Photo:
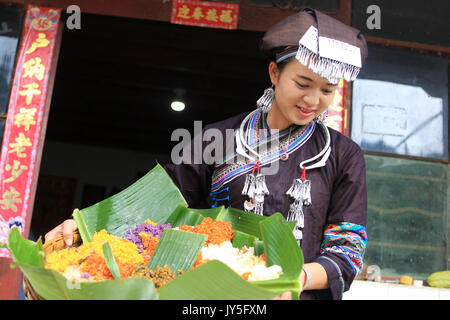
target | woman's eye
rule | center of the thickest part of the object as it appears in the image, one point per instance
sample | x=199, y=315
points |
x=301, y=85
x=327, y=91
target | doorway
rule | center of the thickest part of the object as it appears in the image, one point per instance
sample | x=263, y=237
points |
x=110, y=119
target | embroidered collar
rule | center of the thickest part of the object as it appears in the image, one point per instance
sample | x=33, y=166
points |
x=258, y=136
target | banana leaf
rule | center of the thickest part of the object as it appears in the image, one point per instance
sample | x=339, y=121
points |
x=51, y=285
x=241, y=239
x=183, y=215
x=216, y=282
x=154, y=197
x=217, y=213
x=259, y=247
x=177, y=249
x=110, y=261
x=244, y=221
x=280, y=246
x=213, y=281
x=281, y=249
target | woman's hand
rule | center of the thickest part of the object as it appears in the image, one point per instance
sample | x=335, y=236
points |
x=288, y=295
x=285, y=296
x=65, y=229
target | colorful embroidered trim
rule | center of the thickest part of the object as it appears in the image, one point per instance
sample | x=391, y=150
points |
x=348, y=239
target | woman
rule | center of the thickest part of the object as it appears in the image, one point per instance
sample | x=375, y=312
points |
x=313, y=175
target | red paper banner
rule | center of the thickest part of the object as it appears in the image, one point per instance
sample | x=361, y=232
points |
x=336, y=111
x=25, y=113
x=205, y=14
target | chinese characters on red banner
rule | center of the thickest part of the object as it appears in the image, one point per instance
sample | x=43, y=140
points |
x=336, y=111
x=205, y=14
x=25, y=114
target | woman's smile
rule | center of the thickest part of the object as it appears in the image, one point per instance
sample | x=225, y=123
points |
x=305, y=112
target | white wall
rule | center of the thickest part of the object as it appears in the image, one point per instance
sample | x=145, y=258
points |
x=96, y=165
x=368, y=290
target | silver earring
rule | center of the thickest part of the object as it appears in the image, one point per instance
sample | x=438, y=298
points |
x=265, y=102
x=321, y=117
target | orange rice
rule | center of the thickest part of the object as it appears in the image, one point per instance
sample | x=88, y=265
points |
x=150, y=244
x=217, y=231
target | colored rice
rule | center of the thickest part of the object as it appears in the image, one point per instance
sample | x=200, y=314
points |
x=89, y=256
x=244, y=262
x=149, y=245
x=148, y=227
x=133, y=252
x=217, y=231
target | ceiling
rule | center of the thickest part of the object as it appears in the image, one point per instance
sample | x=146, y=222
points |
x=116, y=78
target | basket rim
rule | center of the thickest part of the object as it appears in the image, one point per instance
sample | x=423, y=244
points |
x=56, y=243
x=75, y=235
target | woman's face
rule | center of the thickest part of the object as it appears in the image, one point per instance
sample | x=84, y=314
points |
x=300, y=95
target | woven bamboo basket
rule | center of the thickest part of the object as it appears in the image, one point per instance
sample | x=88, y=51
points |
x=55, y=244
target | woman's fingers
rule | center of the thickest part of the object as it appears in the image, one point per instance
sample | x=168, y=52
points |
x=53, y=233
x=65, y=229
x=68, y=227
x=285, y=296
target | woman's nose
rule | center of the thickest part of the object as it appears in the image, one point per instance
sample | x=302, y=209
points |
x=312, y=98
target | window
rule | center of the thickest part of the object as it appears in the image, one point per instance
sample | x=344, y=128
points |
x=400, y=104
x=400, y=108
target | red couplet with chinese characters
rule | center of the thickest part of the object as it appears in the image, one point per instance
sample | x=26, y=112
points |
x=23, y=126
x=205, y=14
x=336, y=111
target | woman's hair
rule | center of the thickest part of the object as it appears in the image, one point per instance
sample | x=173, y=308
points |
x=282, y=63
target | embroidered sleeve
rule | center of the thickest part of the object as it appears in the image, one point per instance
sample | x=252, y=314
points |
x=348, y=240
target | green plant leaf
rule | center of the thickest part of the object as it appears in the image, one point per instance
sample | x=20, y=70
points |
x=177, y=249
x=51, y=285
x=279, y=285
x=259, y=247
x=81, y=225
x=217, y=214
x=183, y=215
x=241, y=239
x=281, y=247
x=110, y=261
x=243, y=221
x=24, y=250
x=213, y=281
x=291, y=224
x=153, y=197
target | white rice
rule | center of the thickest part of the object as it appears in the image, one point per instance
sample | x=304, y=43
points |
x=242, y=261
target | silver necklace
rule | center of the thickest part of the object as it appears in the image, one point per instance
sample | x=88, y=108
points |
x=284, y=155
